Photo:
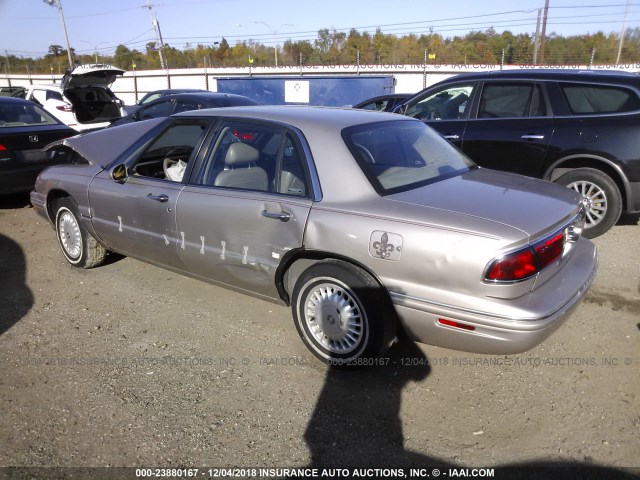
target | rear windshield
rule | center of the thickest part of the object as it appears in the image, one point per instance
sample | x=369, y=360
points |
x=24, y=114
x=401, y=155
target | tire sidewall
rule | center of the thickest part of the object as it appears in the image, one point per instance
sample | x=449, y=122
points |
x=365, y=292
x=66, y=206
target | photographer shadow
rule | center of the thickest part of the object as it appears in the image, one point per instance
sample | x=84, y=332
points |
x=16, y=299
x=356, y=424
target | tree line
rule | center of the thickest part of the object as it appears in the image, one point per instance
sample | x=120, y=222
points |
x=333, y=47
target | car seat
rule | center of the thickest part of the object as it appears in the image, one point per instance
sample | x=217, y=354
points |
x=240, y=170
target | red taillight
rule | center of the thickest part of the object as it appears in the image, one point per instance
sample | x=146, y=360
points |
x=527, y=262
x=549, y=250
x=515, y=266
x=65, y=108
x=2, y=147
x=451, y=323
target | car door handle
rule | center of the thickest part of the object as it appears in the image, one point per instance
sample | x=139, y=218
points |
x=283, y=216
x=451, y=137
x=532, y=137
x=158, y=198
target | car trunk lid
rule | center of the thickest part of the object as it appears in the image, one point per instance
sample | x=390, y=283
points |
x=87, y=88
x=534, y=207
x=24, y=145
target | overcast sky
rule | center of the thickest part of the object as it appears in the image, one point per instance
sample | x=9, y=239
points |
x=28, y=27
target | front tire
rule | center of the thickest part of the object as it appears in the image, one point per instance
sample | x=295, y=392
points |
x=78, y=246
x=342, y=314
x=600, y=196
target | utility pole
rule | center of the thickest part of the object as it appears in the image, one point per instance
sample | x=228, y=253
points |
x=536, y=41
x=544, y=30
x=156, y=29
x=624, y=28
x=57, y=3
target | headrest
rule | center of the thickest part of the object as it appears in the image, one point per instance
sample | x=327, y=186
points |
x=240, y=153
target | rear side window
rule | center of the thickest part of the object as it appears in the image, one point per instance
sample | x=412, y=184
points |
x=511, y=100
x=55, y=95
x=589, y=99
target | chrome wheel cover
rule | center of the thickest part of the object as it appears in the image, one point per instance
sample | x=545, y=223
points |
x=334, y=317
x=594, y=200
x=69, y=235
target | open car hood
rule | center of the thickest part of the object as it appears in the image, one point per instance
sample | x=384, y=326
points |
x=102, y=147
x=96, y=75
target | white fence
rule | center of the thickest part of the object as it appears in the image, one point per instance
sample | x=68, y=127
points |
x=408, y=78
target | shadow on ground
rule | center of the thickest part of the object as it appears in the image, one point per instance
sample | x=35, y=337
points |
x=356, y=424
x=16, y=298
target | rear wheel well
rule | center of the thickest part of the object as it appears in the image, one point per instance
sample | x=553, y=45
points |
x=297, y=261
x=585, y=162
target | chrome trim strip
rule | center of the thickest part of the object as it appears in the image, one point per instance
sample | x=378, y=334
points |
x=401, y=297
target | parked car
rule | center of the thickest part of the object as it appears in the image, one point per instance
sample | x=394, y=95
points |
x=580, y=129
x=24, y=129
x=83, y=100
x=12, y=92
x=182, y=102
x=384, y=103
x=157, y=94
x=353, y=218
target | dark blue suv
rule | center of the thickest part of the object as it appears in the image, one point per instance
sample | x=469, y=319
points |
x=577, y=128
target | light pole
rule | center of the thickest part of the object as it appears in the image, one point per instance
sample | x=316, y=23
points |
x=275, y=32
x=56, y=3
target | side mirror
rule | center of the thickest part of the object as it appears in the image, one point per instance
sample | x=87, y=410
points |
x=403, y=109
x=119, y=173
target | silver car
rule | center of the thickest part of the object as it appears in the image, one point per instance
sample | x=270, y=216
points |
x=360, y=221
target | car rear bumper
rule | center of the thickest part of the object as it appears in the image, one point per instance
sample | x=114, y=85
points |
x=492, y=332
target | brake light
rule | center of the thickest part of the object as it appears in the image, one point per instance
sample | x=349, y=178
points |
x=243, y=136
x=2, y=147
x=65, y=108
x=528, y=261
x=549, y=250
x=515, y=266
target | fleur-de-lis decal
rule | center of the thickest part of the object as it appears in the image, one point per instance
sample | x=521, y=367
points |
x=383, y=247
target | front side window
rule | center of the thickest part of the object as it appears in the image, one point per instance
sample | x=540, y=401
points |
x=401, y=155
x=511, y=100
x=450, y=103
x=168, y=155
x=588, y=99
x=256, y=157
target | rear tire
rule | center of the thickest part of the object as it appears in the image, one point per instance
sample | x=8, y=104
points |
x=600, y=196
x=78, y=246
x=342, y=314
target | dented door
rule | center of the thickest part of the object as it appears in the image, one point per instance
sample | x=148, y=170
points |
x=237, y=238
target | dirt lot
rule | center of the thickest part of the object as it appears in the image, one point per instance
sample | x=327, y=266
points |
x=131, y=365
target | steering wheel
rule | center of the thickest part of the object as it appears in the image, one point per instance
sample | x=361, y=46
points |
x=366, y=154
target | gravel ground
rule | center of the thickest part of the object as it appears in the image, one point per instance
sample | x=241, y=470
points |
x=128, y=365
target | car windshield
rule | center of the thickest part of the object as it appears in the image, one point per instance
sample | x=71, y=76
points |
x=401, y=155
x=24, y=114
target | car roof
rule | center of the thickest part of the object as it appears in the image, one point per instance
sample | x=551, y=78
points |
x=14, y=100
x=302, y=117
x=204, y=95
x=607, y=76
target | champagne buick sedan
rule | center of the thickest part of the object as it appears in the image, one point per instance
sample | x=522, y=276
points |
x=362, y=222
